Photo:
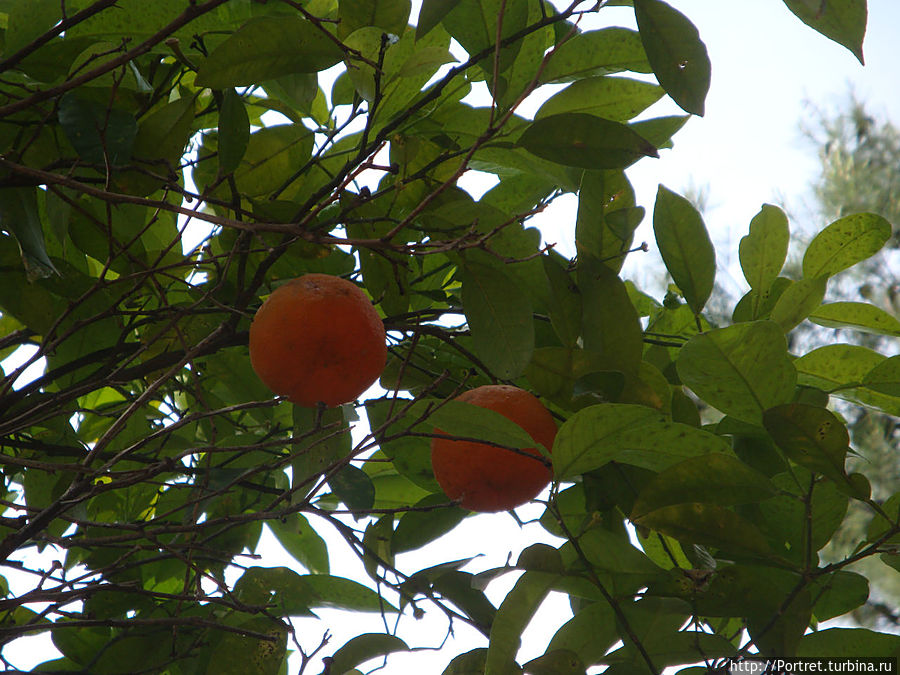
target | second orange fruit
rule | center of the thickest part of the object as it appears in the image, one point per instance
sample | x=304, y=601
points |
x=487, y=478
x=316, y=339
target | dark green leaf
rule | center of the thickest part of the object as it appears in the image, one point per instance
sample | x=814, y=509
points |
x=267, y=47
x=391, y=16
x=556, y=662
x=843, y=642
x=585, y=141
x=837, y=593
x=27, y=21
x=353, y=487
x=234, y=131
x=363, y=648
x=430, y=518
x=610, y=324
x=589, y=633
x=844, y=243
x=714, y=478
x=811, y=436
x=706, y=524
x=500, y=318
x=457, y=418
x=675, y=51
x=97, y=132
x=597, y=233
x=742, y=370
x=843, y=21
x=19, y=215
x=563, y=301
x=248, y=654
x=685, y=246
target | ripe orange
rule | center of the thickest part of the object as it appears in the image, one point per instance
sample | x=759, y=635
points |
x=316, y=339
x=487, y=478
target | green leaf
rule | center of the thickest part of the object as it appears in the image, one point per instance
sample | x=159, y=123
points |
x=299, y=539
x=96, y=131
x=597, y=52
x=764, y=249
x=885, y=377
x=843, y=21
x=513, y=616
x=353, y=487
x=859, y=316
x=425, y=523
x=685, y=246
x=267, y=47
x=675, y=51
x=585, y=141
x=28, y=21
x=563, y=301
x=459, y=588
x=602, y=194
x=431, y=14
x=500, y=319
x=557, y=662
x=844, y=243
x=589, y=633
x=364, y=647
x=742, y=370
x=797, y=301
x=474, y=25
x=609, y=552
x=317, y=449
x=458, y=418
x=837, y=593
x=296, y=594
x=848, y=642
x=612, y=98
x=19, y=215
x=234, y=131
x=714, y=478
x=390, y=16
x=610, y=324
x=811, y=436
x=708, y=525
x=248, y=654
x=627, y=433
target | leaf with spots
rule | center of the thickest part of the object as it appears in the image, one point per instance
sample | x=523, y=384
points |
x=812, y=437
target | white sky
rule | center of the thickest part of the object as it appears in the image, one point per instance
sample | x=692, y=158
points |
x=748, y=150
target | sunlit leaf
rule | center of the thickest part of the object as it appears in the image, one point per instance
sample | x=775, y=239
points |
x=742, y=370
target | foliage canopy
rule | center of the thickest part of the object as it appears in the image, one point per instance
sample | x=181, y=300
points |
x=147, y=458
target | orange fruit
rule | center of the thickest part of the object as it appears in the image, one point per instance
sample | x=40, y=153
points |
x=316, y=339
x=487, y=478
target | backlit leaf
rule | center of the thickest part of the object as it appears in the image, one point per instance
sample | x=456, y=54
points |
x=764, y=249
x=365, y=647
x=706, y=524
x=597, y=52
x=628, y=433
x=742, y=370
x=612, y=98
x=811, y=436
x=844, y=243
x=859, y=316
x=797, y=301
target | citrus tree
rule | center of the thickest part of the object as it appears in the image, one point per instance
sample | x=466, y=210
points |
x=169, y=165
